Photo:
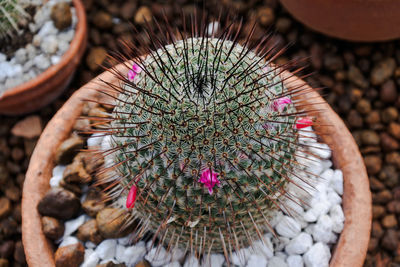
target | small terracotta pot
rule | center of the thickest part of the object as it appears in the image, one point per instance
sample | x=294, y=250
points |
x=355, y=20
x=47, y=86
x=353, y=243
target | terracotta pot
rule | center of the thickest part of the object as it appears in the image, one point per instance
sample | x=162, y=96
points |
x=47, y=86
x=355, y=20
x=352, y=245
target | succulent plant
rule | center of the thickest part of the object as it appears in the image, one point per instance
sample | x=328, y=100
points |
x=11, y=13
x=203, y=139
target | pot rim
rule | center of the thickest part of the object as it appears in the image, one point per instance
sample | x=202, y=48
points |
x=80, y=34
x=351, y=247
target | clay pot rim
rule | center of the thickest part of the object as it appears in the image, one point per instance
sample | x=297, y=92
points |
x=353, y=242
x=80, y=32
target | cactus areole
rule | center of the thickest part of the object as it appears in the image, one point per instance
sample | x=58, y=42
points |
x=205, y=132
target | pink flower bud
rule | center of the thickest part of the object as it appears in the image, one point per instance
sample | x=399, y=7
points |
x=209, y=179
x=303, y=123
x=280, y=103
x=131, y=199
x=132, y=73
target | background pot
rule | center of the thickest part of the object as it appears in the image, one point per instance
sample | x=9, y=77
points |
x=356, y=20
x=47, y=86
x=353, y=243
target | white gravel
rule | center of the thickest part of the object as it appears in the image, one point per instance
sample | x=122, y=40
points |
x=303, y=240
x=47, y=47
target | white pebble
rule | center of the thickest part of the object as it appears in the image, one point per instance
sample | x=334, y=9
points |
x=318, y=256
x=321, y=150
x=125, y=240
x=55, y=60
x=72, y=225
x=212, y=28
x=276, y=262
x=214, y=260
x=323, y=229
x=106, y=249
x=20, y=55
x=95, y=140
x=49, y=44
x=295, y=261
x=68, y=240
x=337, y=217
x=240, y=257
x=91, y=258
x=3, y=57
x=191, y=261
x=158, y=256
x=130, y=255
x=337, y=182
x=300, y=244
x=280, y=243
x=173, y=264
x=89, y=244
x=288, y=227
x=177, y=254
x=257, y=261
x=334, y=198
x=264, y=247
x=48, y=29
x=41, y=61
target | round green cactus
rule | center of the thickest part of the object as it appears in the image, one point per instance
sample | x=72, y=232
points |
x=203, y=142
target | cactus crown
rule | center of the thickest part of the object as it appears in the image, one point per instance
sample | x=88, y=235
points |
x=11, y=14
x=203, y=136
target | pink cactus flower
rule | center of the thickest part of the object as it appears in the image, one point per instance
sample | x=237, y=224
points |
x=132, y=73
x=303, y=123
x=130, y=201
x=280, y=103
x=209, y=179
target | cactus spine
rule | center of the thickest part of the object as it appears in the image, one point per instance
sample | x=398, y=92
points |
x=11, y=13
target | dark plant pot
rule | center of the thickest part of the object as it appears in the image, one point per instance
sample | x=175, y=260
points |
x=47, y=86
x=351, y=248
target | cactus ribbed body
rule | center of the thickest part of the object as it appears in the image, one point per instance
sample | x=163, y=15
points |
x=204, y=104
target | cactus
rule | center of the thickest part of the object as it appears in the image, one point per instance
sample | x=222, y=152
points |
x=203, y=140
x=11, y=13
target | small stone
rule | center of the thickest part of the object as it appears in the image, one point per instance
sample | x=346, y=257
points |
x=216, y=260
x=76, y=172
x=68, y=240
x=7, y=249
x=388, y=92
x=393, y=158
x=128, y=10
x=111, y=264
x=5, y=207
x=143, y=263
x=318, y=256
x=276, y=262
x=256, y=261
x=30, y=127
x=102, y=20
x=110, y=222
x=390, y=114
x=382, y=197
x=91, y=258
x=377, y=211
x=354, y=119
x=373, y=118
x=93, y=206
x=363, y=106
x=373, y=164
x=390, y=240
x=61, y=15
x=389, y=221
x=295, y=261
x=52, y=228
x=49, y=44
x=42, y=62
x=19, y=253
x=96, y=57
x=130, y=254
x=159, y=257
x=388, y=142
x=4, y=262
x=394, y=130
x=288, y=227
x=377, y=230
x=355, y=75
x=323, y=229
x=72, y=225
x=69, y=256
x=266, y=16
x=191, y=261
x=383, y=71
x=89, y=232
x=300, y=244
x=143, y=14
x=369, y=137
x=68, y=149
x=106, y=249
x=59, y=203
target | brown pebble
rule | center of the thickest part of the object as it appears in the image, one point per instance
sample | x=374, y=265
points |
x=377, y=230
x=102, y=20
x=389, y=221
x=393, y=158
x=143, y=263
x=96, y=57
x=30, y=127
x=265, y=16
x=52, y=228
x=383, y=71
x=142, y=15
x=89, y=232
x=59, y=203
x=377, y=211
x=363, y=106
x=4, y=262
x=111, y=264
x=389, y=114
x=373, y=164
x=7, y=249
x=68, y=149
x=5, y=207
x=390, y=240
x=388, y=93
x=388, y=143
x=70, y=256
x=382, y=197
x=394, y=130
x=19, y=253
x=61, y=15
x=110, y=222
x=369, y=137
